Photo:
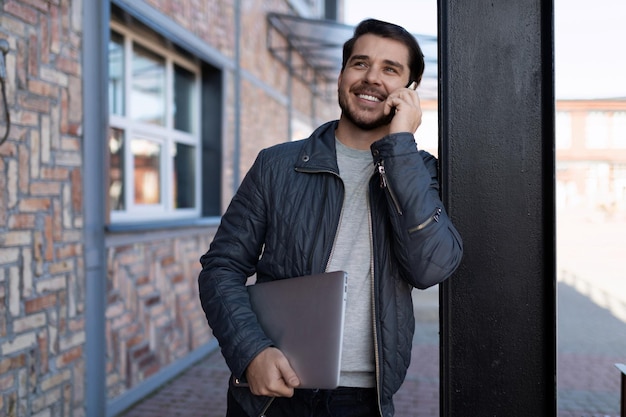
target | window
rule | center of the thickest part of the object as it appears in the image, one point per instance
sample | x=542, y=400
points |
x=597, y=130
x=155, y=136
x=311, y=8
x=619, y=130
x=563, y=130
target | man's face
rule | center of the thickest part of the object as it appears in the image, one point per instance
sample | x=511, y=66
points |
x=376, y=67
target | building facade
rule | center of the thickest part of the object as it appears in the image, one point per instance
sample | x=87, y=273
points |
x=131, y=125
x=591, y=156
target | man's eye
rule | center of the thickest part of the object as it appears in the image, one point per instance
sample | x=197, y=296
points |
x=390, y=69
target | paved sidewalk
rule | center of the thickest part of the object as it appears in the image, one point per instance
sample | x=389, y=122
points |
x=591, y=341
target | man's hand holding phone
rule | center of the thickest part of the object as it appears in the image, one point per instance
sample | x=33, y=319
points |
x=408, y=112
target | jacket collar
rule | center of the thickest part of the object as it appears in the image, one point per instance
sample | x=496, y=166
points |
x=318, y=153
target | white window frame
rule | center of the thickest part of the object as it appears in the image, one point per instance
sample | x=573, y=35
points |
x=166, y=136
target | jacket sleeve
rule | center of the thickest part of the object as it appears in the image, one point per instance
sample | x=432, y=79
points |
x=425, y=242
x=230, y=260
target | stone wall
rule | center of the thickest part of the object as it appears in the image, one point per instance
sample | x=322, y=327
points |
x=42, y=331
x=153, y=315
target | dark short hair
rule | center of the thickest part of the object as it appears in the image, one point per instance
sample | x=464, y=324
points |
x=391, y=31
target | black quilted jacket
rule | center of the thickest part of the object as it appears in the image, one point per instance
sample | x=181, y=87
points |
x=282, y=223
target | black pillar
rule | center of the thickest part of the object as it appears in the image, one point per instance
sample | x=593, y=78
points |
x=498, y=312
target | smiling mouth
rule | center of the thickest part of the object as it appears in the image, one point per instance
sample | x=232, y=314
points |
x=368, y=97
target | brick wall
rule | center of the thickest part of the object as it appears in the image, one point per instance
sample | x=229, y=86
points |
x=42, y=330
x=153, y=314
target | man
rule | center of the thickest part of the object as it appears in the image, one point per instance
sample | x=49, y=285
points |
x=357, y=196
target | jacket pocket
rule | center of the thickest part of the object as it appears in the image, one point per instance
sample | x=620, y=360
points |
x=433, y=218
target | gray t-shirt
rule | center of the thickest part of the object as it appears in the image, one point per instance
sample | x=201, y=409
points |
x=353, y=253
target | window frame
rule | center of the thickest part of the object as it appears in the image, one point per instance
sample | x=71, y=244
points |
x=166, y=135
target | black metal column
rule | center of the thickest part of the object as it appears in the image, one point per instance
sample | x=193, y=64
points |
x=498, y=312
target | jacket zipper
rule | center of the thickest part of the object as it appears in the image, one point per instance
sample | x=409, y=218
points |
x=380, y=166
x=375, y=332
x=271, y=400
x=434, y=217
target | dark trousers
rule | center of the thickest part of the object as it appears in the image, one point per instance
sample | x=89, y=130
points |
x=341, y=402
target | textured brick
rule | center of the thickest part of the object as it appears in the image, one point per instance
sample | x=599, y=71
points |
x=21, y=221
x=25, y=13
x=26, y=118
x=9, y=256
x=44, y=351
x=67, y=66
x=19, y=343
x=46, y=139
x=69, y=251
x=77, y=190
x=24, y=156
x=54, y=284
x=55, y=173
x=33, y=54
x=61, y=267
x=16, y=238
x=27, y=273
x=69, y=159
x=12, y=363
x=55, y=380
x=48, y=239
x=42, y=88
x=40, y=303
x=53, y=76
x=35, y=156
x=12, y=183
x=34, y=103
x=47, y=188
x=15, y=296
x=70, y=356
x=29, y=322
x=31, y=205
x=74, y=340
x=7, y=381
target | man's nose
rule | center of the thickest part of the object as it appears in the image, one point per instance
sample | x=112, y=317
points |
x=372, y=75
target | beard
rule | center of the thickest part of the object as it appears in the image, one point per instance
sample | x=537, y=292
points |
x=362, y=121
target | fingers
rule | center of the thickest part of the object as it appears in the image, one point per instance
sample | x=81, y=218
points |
x=270, y=374
x=408, y=112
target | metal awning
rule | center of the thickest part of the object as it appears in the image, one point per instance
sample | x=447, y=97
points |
x=319, y=44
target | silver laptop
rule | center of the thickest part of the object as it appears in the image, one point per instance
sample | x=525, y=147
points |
x=304, y=317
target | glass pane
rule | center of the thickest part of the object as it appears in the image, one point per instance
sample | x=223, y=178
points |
x=116, y=169
x=597, y=130
x=147, y=167
x=116, y=74
x=184, y=176
x=619, y=130
x=183, y=96
x=563, y=130
x=148, y=87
